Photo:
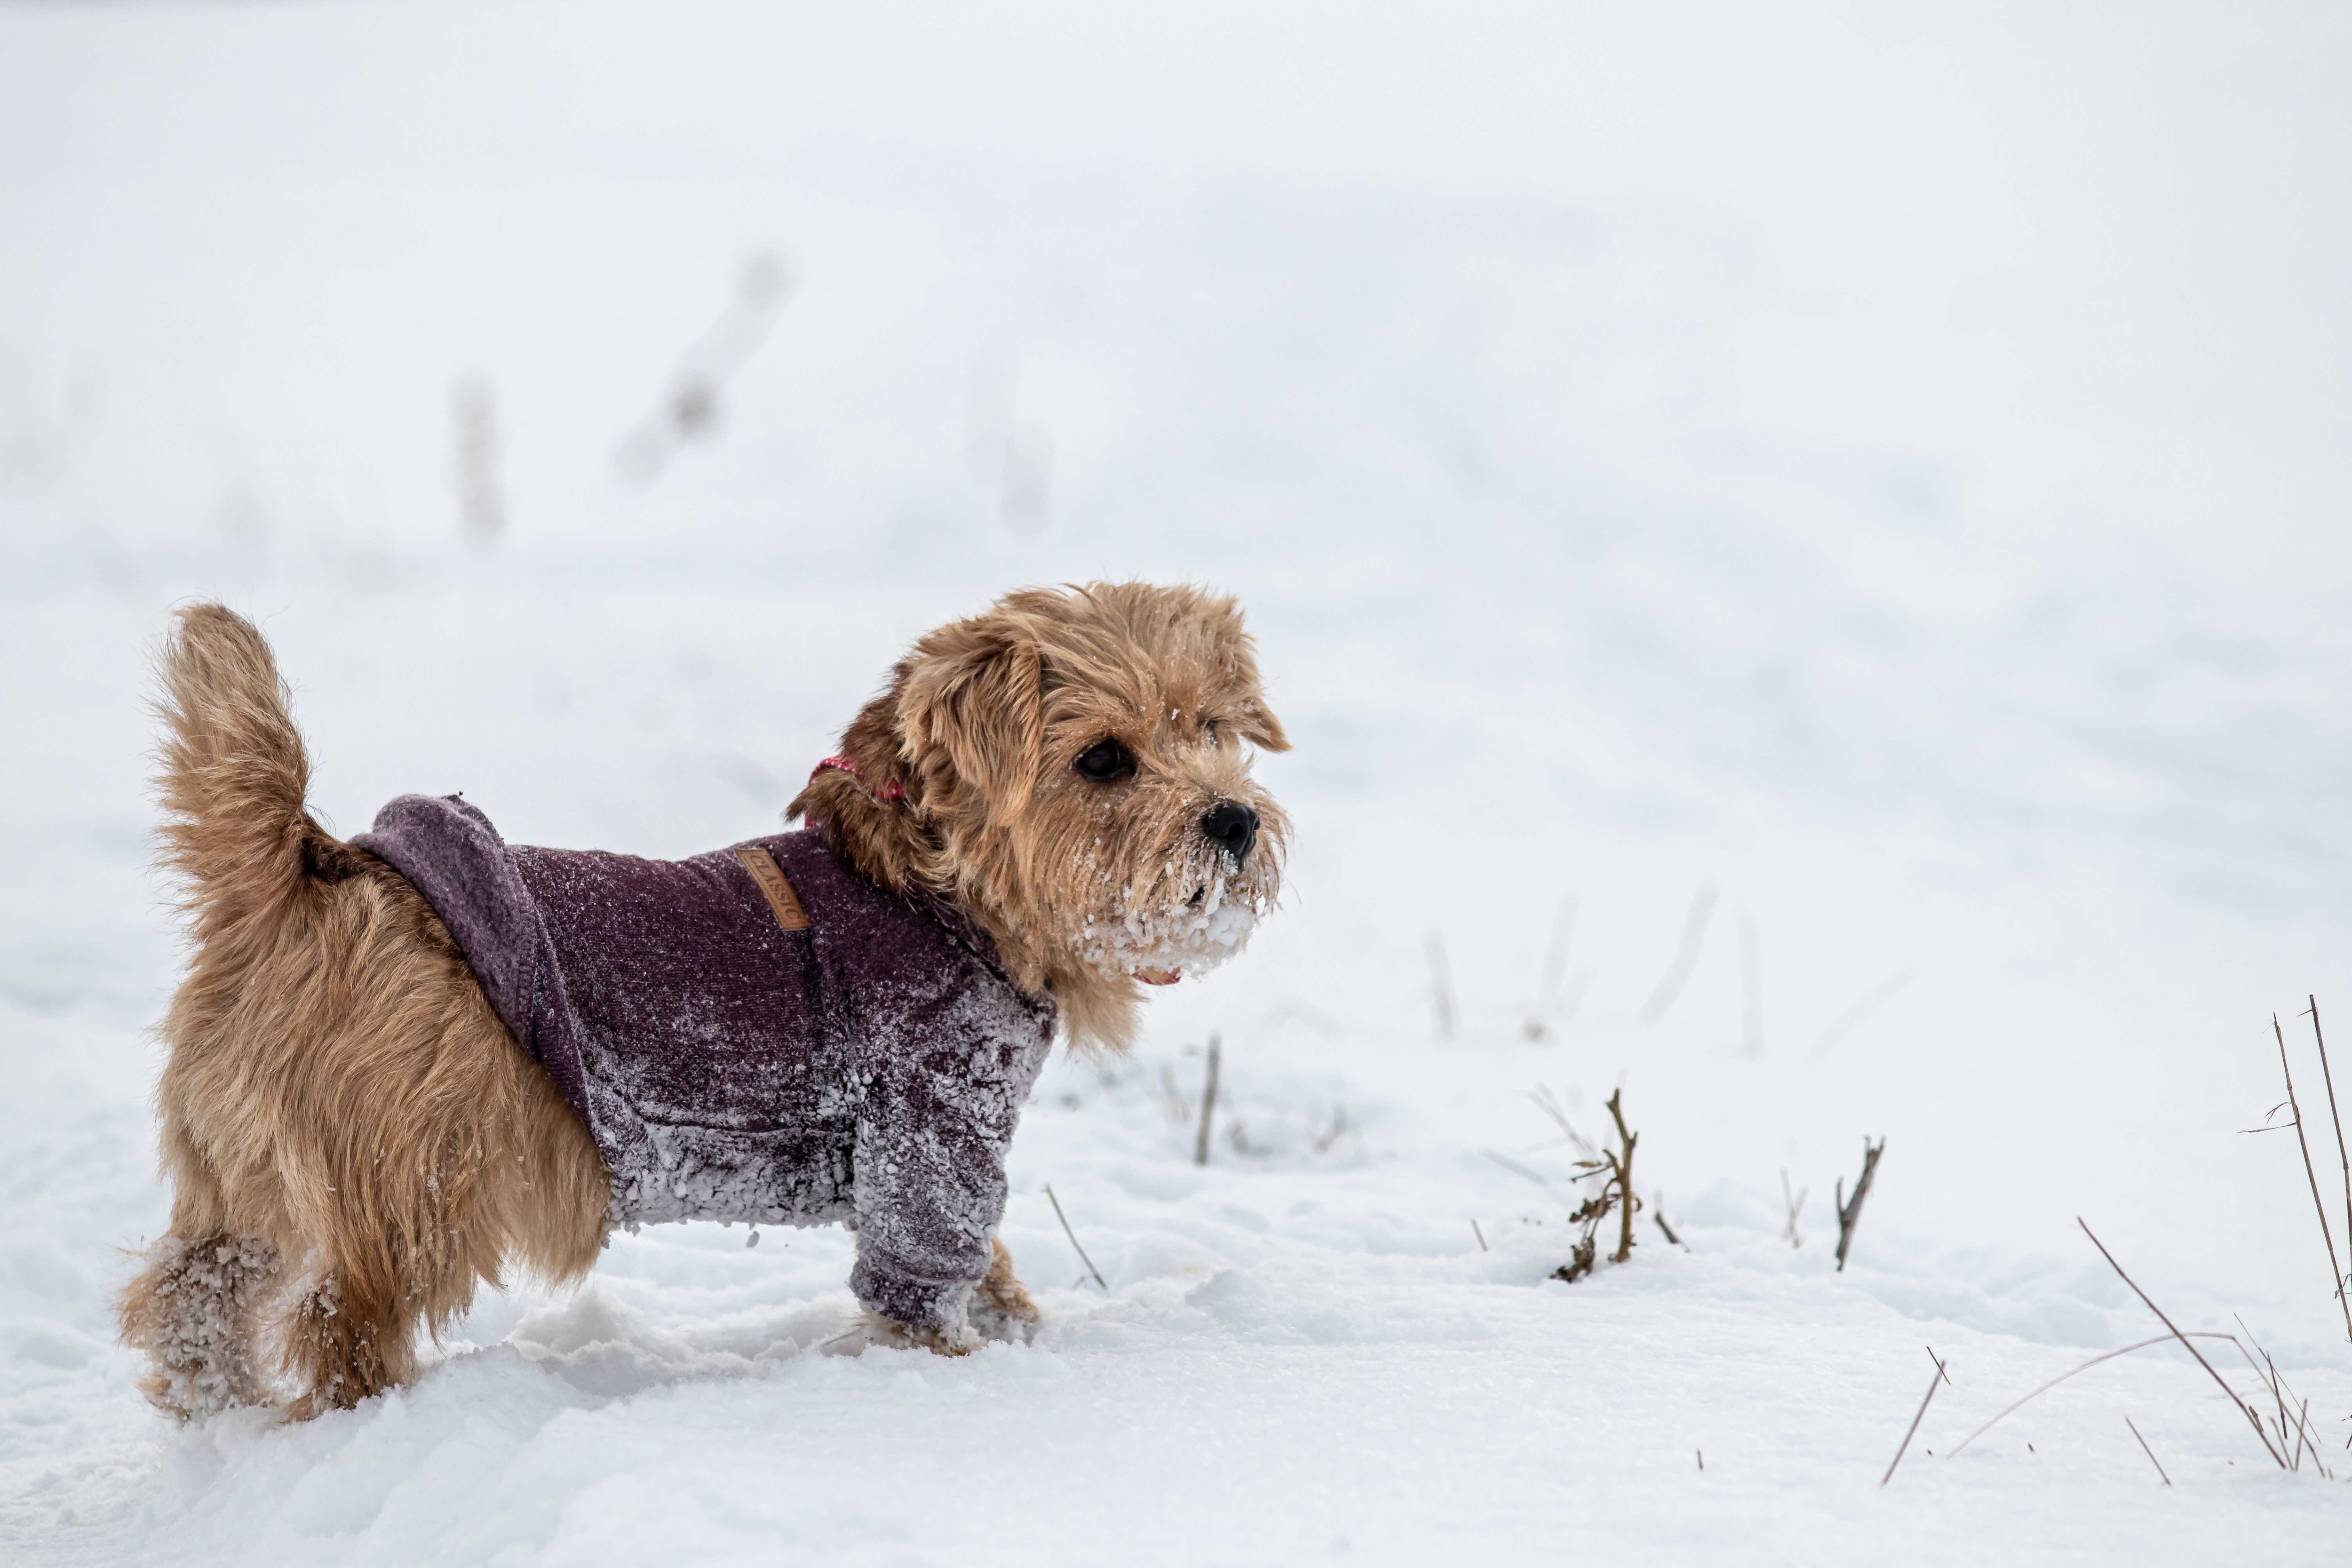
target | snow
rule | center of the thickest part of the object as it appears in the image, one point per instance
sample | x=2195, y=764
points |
x=1884, y=467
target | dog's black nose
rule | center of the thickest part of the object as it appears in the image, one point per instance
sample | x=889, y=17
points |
x=1232, y=828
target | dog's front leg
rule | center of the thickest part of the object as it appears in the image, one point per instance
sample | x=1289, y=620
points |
x=931, y=1191
x=1001, y=1313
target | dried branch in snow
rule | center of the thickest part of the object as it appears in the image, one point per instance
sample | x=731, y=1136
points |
x=2244, y=1409
x=1795, y=1203
x=2342, y=1155
x=1941, y=1377
x=1615, y=1169
x=1849, y=1214
x=1441, y=989
x=1686, y=959
x=1074, y=1239
x=2148, y=1451
x=2016, y=1404
x=2318, y=1205
x=1208, y=1106
x=1554, y=971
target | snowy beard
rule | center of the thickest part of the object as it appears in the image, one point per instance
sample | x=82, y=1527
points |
x=1159, y=941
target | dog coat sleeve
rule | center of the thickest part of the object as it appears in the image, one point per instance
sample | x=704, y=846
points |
x=938, y=1116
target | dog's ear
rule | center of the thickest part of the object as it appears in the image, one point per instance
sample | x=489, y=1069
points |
x=1233, y=652
x=1256, y=724
x=975, y=692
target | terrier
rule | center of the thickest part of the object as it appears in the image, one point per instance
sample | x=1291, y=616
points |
x=406, y=1064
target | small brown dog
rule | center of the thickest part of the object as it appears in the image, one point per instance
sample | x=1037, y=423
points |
x=404, y=1064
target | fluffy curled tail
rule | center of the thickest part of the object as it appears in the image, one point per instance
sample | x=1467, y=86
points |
x=234, y=775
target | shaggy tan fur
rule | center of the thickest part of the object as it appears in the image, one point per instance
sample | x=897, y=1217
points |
x=354, y=1140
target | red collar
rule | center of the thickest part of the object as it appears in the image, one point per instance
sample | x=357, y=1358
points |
x=890, y=792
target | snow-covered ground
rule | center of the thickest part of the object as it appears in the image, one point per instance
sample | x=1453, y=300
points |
x=1886, y=467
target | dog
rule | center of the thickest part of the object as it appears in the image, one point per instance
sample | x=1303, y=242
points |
x=426, y=1059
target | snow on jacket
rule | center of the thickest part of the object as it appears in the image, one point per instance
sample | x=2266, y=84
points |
x=757, y=1034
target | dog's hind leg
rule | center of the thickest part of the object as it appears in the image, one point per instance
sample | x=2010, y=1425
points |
x=197, y=1305
x=347, y=1340
x=193, y=1309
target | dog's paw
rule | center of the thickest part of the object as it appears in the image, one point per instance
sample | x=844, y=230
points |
x=874, y=1328
x=1005, y=1328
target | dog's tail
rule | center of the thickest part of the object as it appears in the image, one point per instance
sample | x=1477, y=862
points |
x=234, y=775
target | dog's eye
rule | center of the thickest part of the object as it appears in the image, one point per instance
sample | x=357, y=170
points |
x=1209, y=727
x=1106, y=762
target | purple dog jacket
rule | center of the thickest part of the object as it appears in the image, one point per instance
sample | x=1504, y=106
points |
x=802, y=1050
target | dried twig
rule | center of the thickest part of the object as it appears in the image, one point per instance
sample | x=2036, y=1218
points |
x=1172, y=1099
x=2016, y=1404
x=1849, y=1214
x=474, y=413
x=2148, y=1451
x=1554, y=971
x=1941, y=1377
x=2343, y=1157
x=1614, y=1168
x=2244, y=1408
x=1686, y=959
x=1480, y=1235
x=1658, y=1213
x=689, y=405
x=2283, y=1401
x=1208, y=1106
x=1622, y=1173
x=1548, y=1103
x=1751, y=985
x=2318, y=1207
x=1441, y=988
x=1795, y=1203
x=1854, y=1017
x=1537, y=1177
x=1074, y=1239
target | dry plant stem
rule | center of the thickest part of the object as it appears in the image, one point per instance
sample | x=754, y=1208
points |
x=2016, y=1404
x=1537, y=1177
x=2244, y=1408
x=1912, y=1429
x=1480, y=1235
x=1686, y=959
x=1623, y=1164
x=1658, y=1213
x=1074, y=1240
x=1795, y=1203
x=2284, y=1399
x=1555, y=961
x=2318, y=1206
x=1441, y=988
x=2343, y=1157
x=2149, y=1452
x=1849, y=1214
x=1208, y=1106
x=1548, y=1103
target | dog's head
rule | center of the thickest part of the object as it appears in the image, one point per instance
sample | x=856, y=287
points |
x=1072, y=769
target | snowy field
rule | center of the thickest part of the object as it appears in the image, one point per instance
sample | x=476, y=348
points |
x=1857, y=498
